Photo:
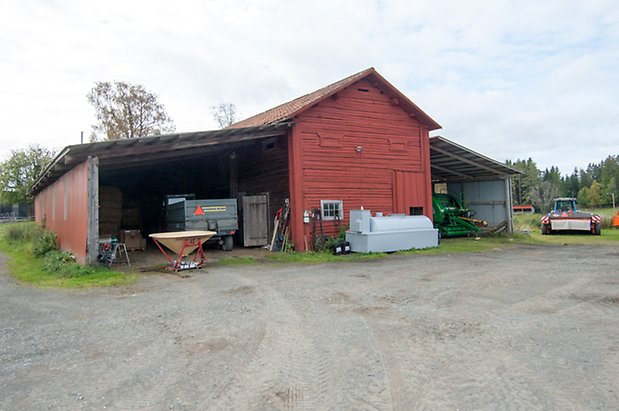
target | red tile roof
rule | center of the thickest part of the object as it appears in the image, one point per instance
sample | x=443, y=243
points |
x=289, y=110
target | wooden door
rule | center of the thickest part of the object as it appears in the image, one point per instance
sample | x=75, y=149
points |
x=255, y=222
x=410, y=193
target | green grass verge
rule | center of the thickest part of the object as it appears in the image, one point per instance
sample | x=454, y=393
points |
x=25, y=268
x=321, y=258
x=471, y=245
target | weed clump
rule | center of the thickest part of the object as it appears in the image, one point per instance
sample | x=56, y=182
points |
x=63, y=263
x=45, y=243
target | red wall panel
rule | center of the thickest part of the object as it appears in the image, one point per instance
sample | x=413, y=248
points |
x=361, y=148
x=63, y=208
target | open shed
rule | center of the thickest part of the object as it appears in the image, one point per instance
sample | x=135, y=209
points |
x=482, y=183
x=95, y=190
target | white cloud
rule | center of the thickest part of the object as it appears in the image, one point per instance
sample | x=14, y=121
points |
x=509, y=79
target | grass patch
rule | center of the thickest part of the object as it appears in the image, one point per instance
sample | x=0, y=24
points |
x=609, y=236
x=471, y=245
x=321, y=257
x=55, y=268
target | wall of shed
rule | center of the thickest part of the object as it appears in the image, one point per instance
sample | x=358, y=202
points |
x=363, y=149
x=486, y=198
x=263, y=168
x=63, y=208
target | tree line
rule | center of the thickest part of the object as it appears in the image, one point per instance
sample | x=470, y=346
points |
x=594, y=186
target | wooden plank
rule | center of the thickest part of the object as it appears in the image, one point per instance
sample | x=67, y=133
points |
x=93, y=211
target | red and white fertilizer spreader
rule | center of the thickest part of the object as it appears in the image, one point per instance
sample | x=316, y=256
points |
x=183, y=243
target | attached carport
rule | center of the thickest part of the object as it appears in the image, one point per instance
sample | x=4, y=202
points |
x=483, y=184
x=95, y=190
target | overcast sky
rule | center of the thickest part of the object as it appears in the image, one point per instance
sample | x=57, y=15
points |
x=509, y=79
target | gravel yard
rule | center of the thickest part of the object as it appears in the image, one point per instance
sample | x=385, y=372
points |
x=528, y=327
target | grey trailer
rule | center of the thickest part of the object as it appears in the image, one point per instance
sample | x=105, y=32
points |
x=219, y=215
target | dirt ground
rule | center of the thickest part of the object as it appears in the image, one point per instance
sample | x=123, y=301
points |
x=531, y=327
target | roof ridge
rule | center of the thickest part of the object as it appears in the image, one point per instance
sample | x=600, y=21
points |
x=292, y=107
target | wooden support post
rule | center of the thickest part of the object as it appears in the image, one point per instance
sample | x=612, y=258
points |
x=92, y=239
x=508, y=204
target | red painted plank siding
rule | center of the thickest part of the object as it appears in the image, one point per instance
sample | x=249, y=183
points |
x=362, y=149
x=63, y=208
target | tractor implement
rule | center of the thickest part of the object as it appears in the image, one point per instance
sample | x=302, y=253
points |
x=566, y=218
x=452, y=219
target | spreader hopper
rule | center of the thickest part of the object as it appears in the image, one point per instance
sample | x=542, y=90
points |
x=183, y=243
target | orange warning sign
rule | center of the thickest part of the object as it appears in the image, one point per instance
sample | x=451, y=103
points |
x=198, y=211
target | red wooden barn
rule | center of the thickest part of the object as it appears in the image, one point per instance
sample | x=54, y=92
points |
x=356, y=143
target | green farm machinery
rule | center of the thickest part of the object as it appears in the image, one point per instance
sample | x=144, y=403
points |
x=452, y=219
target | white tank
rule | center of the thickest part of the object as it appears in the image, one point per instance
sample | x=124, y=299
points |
x=400, y=222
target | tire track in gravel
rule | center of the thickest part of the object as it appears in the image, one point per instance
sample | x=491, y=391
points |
x=379, y=383
x=283, y=370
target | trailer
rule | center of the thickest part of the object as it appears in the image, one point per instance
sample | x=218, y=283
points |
x=218, y=215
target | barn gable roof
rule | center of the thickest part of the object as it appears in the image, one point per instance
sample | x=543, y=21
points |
x=291, y=109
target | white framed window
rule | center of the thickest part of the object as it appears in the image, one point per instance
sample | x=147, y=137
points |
x=332, y=209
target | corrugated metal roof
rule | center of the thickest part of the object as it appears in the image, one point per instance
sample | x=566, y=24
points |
x=450, y=161
x=290, y=109
x=151, y=149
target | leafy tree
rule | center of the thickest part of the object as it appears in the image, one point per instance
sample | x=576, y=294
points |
x=127, y=111
x=225, y=114
x=609, y=168
x=570, y=186
x=553, y=175
x=523, y=185
x=20, y=171
x=543, y=194
x=609, y=189
x=596, y=198
x=583, y=197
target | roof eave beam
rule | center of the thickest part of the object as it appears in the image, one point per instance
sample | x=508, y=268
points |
x=466, y=160
x=450, y=171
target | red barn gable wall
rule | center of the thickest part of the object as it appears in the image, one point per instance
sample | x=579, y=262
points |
x=362, y=148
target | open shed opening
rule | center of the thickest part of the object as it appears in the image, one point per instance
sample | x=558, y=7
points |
x=481, y=183
x=133, y=193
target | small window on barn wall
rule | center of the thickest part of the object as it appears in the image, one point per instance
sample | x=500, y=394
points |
x=440, y=188
x=415, y=211
x=332, y=209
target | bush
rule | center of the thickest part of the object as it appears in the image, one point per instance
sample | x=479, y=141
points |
x=44, y=243
x=63, y=263
x=331, y=242
x=607, y=222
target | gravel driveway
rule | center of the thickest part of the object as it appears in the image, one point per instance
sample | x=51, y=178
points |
x=530, y=327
